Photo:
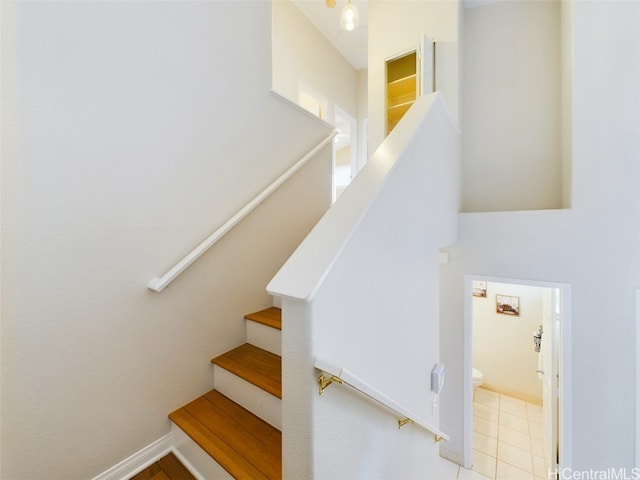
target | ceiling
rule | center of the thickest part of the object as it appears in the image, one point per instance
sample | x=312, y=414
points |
x=352, y=45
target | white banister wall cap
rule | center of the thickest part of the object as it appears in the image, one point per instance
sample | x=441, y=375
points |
x=447, y=111
x=304, y=272
x=328, y=367
x=303, y=110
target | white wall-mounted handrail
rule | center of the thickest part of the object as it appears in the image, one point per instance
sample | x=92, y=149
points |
x=343, y=375
x=159, y=283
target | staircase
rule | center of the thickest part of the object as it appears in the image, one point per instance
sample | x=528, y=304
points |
x=234, y=431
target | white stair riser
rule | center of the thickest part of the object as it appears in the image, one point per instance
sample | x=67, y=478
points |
x=265, y=337
x=197, y=461
x=254, y=399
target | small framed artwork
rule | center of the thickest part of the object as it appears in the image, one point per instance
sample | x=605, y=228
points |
x=508, y=305
x=479, y=288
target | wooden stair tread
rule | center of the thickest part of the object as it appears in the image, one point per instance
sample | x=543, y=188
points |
x=166, y=468
x=271, y=317
x=244, y=445
x=255, y=365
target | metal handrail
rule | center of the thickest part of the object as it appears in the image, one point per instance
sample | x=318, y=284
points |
x=159, y=283
x=344, y=376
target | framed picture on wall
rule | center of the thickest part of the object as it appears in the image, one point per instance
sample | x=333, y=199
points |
x=508, y=305
x=479, y=288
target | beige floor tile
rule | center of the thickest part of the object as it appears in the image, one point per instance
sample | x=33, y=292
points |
x=514, y=438
x=471, y=475
x=506, y=399
x=519, y=410
x=506, y=471
x=483, y=425
x=540, y=469
x=537, y=447
x=514, y=456
x=489, y=413
x=534, y=413
x=447, y=470
x=483, y=398
x=515, y=422
x=536, y=430
x=484, y=464
x=512, y=431
x=485, y=444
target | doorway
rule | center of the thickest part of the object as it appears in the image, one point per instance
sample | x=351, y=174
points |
x=345, y=144
x=345, y=160
x=312, y=101
x=515, y=417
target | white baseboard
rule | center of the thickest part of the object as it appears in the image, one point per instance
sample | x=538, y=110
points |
x=452, y=456
x=139, y=460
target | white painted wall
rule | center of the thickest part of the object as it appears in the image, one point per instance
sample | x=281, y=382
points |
x=363, y=117
x=512, y=107
x=566, y=97
x=302, y=53
x=395, y=27
x=593, y=247
x=503, y=344
x=125, y=143
x=361, y=292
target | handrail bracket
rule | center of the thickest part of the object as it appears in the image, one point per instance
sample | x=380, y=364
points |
x=403, y=421
x=331, y=373
x=324, y=382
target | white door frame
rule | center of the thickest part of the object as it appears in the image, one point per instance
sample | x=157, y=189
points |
x=564, y=367
x=637, y=378
x=353, y=141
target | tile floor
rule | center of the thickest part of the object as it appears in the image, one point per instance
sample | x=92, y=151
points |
x=507, y=441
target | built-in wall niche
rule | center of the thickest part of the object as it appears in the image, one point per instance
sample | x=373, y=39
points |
x=402, y=87
x=408, y=75
x=516, y=115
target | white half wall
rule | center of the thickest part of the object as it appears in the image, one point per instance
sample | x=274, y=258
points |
x=361, y=292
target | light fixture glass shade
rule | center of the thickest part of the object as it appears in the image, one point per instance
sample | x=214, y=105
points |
x=349, y=18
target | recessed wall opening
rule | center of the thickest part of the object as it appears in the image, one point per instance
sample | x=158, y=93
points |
x=516, y=372
x=516, y=119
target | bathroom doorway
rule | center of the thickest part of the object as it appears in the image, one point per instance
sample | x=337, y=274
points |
x=515, y=371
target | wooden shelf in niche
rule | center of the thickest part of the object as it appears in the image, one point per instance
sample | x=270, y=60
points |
x=401, y=87
x=401, y=91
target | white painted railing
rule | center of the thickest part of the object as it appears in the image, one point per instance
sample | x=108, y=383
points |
x=159, y=283
x=342, y=375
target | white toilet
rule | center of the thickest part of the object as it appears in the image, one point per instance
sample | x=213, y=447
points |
x=478, y=378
